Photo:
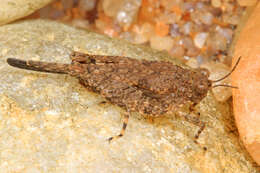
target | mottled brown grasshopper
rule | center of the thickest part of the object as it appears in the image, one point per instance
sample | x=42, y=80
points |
x=150, y=88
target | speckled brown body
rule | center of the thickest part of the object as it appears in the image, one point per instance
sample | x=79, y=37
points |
x=148, y=87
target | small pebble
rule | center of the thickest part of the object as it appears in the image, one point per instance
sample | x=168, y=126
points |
x=217, y=71
x=177, y=51
x=128, y=12
x=147, y=30
x=87, y=5
x=200, y=6
x=161, y=43
x=186, y=42
x=220, y=42
x=188, y=6
x=111, y=7
x=200, y=39
x=207, y=18
x=143, y=33
x=216, y=3
x=192, y=51
x=225, y=32
x=162, y=29
x=187, y=28
x=174, y=30
x=231, y=19
x=169, y=4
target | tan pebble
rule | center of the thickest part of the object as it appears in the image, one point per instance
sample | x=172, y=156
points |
x=161, y=43
x=200, y=39
x=216, y=3
x=217, y=71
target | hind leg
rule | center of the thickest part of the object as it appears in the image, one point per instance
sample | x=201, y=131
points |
x=126, y=117
x=196, y=121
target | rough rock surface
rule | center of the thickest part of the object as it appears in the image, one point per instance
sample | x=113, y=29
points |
x=11, y=10
x=50, y=123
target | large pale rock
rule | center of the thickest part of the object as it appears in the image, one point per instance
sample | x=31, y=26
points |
x=50, y=123
x=11, y=10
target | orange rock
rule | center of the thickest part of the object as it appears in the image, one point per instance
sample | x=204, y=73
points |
x=177, y=10
x=246, y=99
x=162, y=29
x=147, y=11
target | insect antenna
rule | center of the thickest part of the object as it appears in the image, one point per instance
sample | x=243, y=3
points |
x=223, y=85
x=228, y=73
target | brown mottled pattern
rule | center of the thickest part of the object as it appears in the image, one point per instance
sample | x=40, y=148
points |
x=147, y=87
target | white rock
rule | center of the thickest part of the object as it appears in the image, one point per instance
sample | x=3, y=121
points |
x=207, y=18
x=200, y=39
x=124, y=12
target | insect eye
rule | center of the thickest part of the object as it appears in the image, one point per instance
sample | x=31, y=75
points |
x=204, y=72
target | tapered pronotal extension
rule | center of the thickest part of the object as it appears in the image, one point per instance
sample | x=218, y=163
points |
x=39, y=66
